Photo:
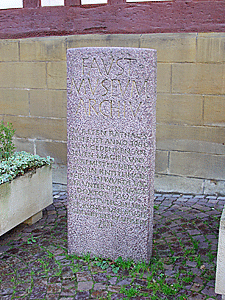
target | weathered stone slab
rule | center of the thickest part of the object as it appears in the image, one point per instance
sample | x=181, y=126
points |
x=111, y=151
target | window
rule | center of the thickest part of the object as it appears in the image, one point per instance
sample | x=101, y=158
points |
x=93, y=2
x=11, y=4
x=145, y=0
x=52, y=2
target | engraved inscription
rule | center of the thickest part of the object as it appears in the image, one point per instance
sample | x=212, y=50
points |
x=100, y=93
x=107, y=162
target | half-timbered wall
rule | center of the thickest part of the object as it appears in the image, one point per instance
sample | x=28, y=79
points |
x=190, y=41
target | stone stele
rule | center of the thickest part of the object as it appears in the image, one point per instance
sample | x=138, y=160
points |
x=111, y=151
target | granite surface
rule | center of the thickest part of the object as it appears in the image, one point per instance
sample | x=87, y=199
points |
x=111, y=151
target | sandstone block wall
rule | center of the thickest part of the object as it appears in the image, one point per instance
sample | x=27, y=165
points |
x=190, y=103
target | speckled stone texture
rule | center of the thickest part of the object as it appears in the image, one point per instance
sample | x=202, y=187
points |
x=111, y=151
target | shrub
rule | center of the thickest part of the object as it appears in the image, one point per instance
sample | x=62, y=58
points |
x=6, y=144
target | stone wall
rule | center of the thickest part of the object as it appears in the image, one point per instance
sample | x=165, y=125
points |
x=190, y=105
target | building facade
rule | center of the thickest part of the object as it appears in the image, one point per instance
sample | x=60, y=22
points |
x=189, y=37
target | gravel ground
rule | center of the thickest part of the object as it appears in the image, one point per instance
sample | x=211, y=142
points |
x=34, y=263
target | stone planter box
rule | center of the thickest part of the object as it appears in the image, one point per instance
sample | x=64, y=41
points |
x=220, y=270
x=23, y=198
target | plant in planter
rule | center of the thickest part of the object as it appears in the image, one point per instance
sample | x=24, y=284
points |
x=25, y=183
x=6, y=143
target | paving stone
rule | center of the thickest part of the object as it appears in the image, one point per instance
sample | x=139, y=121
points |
x=203, y=245
x=54, y=279
x=99, y=286
x=181, y=199
x=85, y=285
x=187, y=286
x=114, y=288
x=168, y=267
x=170, y=280
x=118, y=296
x=191, y=263
x=38, y=293
x=160, y=198
x=54, y=288
x=4, y=249
x=68, y=284
x=52, y=297
x=196, y=296
x=113, y=280
x=196, y=287
x=139, y=298
x=99, y=294
x=196, y=271
x=96, y=269
x=81, y=296
x=194, y=232
x=125, y=281
x=83, y=276
x=7, y=291
x=170, y=272
x=209, y=291
x=141, y=282
x=99, y=277
x=68, y=292
x=198, y=280
x=23, y=286
x=67, y=272
x=213, y=201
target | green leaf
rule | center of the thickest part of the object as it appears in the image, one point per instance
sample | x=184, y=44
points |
x=20, y=163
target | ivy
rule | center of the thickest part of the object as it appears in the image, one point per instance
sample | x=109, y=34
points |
x=19, y=163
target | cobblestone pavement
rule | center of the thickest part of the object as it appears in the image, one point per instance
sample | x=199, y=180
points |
x=34, y=263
